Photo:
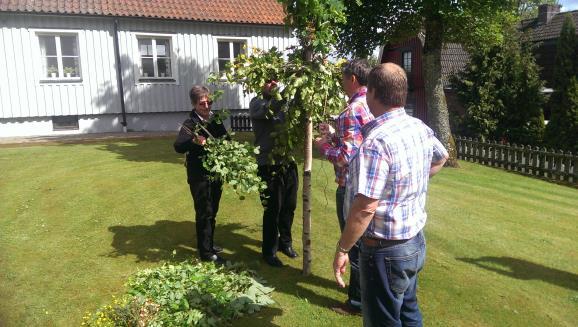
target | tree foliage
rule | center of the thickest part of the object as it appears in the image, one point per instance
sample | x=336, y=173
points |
x=502, y=93
x=379, y=22
x=372, y=23
x=313, y=88
x=562, y=130
x=528, y=9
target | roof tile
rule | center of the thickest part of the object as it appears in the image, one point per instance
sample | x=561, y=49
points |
x=268, y=12
x=542, y=32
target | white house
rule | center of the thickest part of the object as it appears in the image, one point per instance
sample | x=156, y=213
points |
x=86, y=66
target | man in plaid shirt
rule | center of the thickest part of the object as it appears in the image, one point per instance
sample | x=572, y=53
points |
x=338, y=147
x=385, y=202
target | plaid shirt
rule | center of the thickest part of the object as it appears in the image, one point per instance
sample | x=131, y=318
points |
x=392, y=165
x=347, y=137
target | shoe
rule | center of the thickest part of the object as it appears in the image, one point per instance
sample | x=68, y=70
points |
x=217, y=249
x=347, y=309
x=288, y=251
x=273, y=261
x=214, y=258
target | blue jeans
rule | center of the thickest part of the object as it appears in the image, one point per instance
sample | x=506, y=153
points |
x=389, y=281
x=354, y=290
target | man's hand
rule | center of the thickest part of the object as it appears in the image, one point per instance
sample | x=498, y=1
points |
x=319, y=143
x=268, y=87
x=199, y=139
x=339, y=265
x=326, y=129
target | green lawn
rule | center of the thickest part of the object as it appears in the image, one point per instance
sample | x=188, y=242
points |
x=77, y=219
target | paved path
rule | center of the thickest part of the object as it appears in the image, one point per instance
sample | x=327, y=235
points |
x=73, y=138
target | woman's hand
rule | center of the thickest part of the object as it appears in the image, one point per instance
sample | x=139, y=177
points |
x=199, y=139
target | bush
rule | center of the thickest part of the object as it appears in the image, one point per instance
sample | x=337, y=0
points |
x=186, y=294
x=501, y=92
x=562, y=130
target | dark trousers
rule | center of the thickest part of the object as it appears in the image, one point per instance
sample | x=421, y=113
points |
x=389, y=277
x=279, y=201
x=206, y=196
x=354, y=290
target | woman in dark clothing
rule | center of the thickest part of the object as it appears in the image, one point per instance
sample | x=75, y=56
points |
x=206, y=192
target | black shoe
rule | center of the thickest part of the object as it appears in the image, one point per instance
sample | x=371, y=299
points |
x=288, y=251
x=347, y=309
x=217, y=249
x=273, y=261
x=214, y=258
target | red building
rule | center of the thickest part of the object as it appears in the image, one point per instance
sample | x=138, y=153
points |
x=543, y=30
x=408, y=54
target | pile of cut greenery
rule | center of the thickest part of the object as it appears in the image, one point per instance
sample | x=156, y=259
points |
x=186, y=294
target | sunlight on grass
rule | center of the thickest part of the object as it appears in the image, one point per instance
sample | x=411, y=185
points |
x=78, y=219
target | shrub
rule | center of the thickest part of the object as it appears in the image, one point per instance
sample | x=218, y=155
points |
x=501, y=92
x=562, y=130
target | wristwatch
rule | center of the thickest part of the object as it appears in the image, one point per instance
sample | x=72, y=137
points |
x=340, y=249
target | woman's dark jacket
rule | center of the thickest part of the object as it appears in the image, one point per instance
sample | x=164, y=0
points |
x=184, y=143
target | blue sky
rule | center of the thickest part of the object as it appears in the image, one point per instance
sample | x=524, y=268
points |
x=568, y=5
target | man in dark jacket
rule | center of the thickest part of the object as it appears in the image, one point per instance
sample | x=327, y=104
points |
x=206, y=192
x=280, y=174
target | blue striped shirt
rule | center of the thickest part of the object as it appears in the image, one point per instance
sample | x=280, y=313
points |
x=392, y=166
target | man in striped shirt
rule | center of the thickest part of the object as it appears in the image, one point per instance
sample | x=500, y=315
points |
x=385, y=202
x=338, y=147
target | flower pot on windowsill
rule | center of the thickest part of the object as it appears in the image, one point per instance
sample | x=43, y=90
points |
x=68, y=75
x=145, y=74
x=162, y=74
x=53, y=75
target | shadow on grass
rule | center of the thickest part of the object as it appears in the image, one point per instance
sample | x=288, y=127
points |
x=145, y=150
x=156, y=243
x=525, y=270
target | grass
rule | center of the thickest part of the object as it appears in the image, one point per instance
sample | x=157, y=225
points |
x=77, y=219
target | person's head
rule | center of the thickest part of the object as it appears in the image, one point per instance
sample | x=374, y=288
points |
x=354, y=75
x=386, y=88
x=268, y=87
x=200, y=100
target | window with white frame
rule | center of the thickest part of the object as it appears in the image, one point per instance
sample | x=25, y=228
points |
x=406, y=60
x=228, y=50
x=155, y=57
x=59, y=56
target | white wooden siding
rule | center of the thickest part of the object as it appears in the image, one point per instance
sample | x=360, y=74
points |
x=194, y=46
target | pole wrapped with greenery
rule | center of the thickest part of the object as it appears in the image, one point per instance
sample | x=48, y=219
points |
x=310, y=84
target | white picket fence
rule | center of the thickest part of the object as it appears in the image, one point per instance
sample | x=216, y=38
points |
x=555, y=165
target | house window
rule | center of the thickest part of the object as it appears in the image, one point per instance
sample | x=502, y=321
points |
x=406, y=61
x=229, y=50
x=59, y=56
x=155, y=57
x=64, y=123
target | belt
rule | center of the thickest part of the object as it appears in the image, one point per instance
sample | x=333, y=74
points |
x=380, y=242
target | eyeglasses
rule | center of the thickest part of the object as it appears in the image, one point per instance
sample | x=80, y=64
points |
x=206, y=103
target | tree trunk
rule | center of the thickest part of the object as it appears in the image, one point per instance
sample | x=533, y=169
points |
x=308, y=158
x=438, y=115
